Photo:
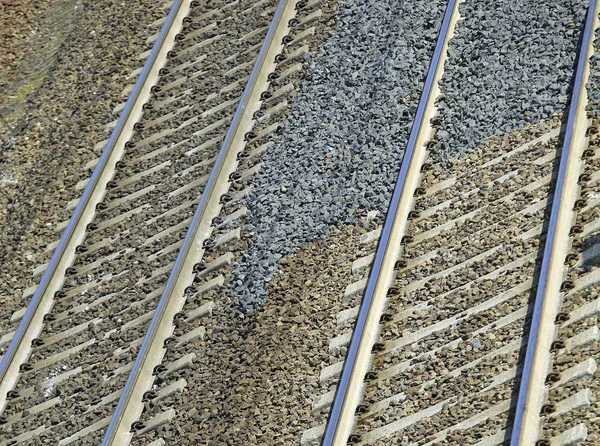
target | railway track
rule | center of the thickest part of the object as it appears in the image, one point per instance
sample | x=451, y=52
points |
x=478, y=322
x=437, y=349
x=135, y=261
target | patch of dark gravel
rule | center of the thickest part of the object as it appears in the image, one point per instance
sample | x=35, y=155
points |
x=255, y=376
x=510, y=63
x=593, y=85
x=341, y=148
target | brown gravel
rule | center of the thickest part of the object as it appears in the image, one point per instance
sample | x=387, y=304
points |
x=18, y=21
x=117, y=256
x=22, y=28
x=448, y=297
x=429, y=362
x=254, y=378
x=63, y=121
x=119, y=317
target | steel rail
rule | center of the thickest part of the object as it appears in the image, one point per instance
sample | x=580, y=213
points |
x=350, y=389
x=532, y=391
x=172, y=299
x=42, y=301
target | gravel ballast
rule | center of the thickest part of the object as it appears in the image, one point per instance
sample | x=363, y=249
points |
x=31, y=32
x=340, y=149
x=62, y=123
x=19, y=21
x=459, y=307
x=510, y=63
x=593, y=85
x=254, y=377
x=129, y=256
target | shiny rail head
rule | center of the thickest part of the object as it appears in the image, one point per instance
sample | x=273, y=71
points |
x=119, y=425
x=42, y=300
x=526, y=424
x=341, y=418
